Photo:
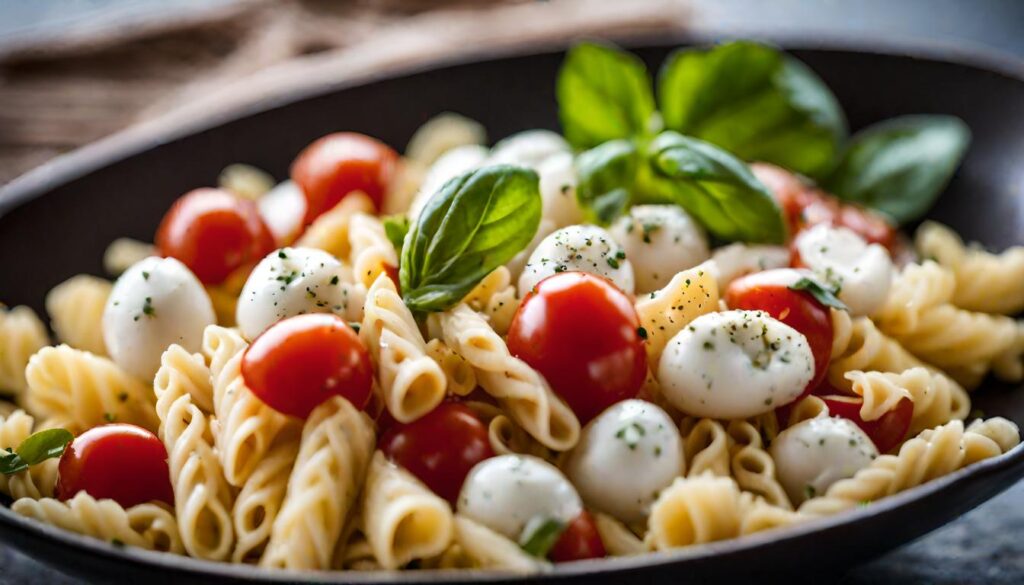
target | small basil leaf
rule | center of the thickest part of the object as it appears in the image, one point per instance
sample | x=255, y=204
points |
x=712, y=185
x=824, y=295
x=10, y=463
x=755, y=102
x=900, y=166
x=607, y=175
x=604, y=93
x=355, y=325
x=395, y=228
x=538, y=540
x=473, y=224
x=44, y=445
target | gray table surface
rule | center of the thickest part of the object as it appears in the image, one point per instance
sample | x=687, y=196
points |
x=983, y=546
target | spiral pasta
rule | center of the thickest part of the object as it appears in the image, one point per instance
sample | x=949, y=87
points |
x=806, y=408
x=202, y=498
x=752, y=466
x=705, y=446
x=123, y=252
x=38, y=481
x=148, y=526
x=76, y=312
x=663, y=313
x=22, y=334
x=371, y=250
x=937, y=399
x=523, y=392
x=337, y=442
x=495, y=297
x=411, y=382
x=858, y=345
x=330, y=231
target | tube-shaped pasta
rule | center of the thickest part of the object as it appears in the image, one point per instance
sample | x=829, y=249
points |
x=490, y=550
x=371, y=250
x=330, y=231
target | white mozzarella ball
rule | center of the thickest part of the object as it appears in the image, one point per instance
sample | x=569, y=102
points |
x=625, y=456
x=155, y=303
x=862, y=272
x=289, y=282
x=735, y=364
x=509, y=492
x=451, y=164
x=660, y=241
x=736, y=260
x=529, y=148
x=583, y=248
x=812, y=455
x=283, y=209
x=558, y=190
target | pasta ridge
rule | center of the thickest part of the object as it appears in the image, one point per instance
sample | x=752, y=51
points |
x=22, y=334
x=937, y=399
x=38, y=481
x=76, y=310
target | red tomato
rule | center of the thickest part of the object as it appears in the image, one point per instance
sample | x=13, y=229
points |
x=122, y=462
x=887, y=431
x=300, y=362
x=440, y=447
x=392, y=272
x=579, y=541
x=213, y=233
x=765, y=291
x=337, y=164
x=581, y=333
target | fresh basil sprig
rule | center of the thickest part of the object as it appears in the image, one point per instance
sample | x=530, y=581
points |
x=473, y=224
x=395, y=228
x=607, y=177
x=900, y=166
x=538, y=540
x=35, y=449
x=824, y=295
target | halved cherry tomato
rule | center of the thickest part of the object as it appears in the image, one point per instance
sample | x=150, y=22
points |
x=582, y=334
x=213, y=232
x=440, y=447
x=767, y=292
x=579, y=541
x=300, y=362
x=887, y=431
x=121, y=462
x=338, y=164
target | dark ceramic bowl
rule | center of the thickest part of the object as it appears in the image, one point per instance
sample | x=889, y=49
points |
x=56, y=221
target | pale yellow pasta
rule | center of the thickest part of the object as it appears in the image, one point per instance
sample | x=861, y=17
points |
x=937, y=399
x=122, y=253
x=694, y=510
x=84, y=390
x=402, y=519
x=705, y=446
x=760, y=515
x=985, y=282
x=148, y=526
x=76, y=312
x=244, y=427
x=495, y=297
x=665, y=312
x=461, y=379
x=442, y=133
x=523, y=392
x=330, y=231
x=490, y=550
x=202, y=498
x=858, y=345
x=1003, y=432
x=411, y=382
x=21, y=335
x=38, y=481
x=506, y=438
x=259, y=501
x=337, y=442
x=752, y=466
x=618, y=540
x=453, y=557
x=371, y=250
x=932, y=454
x=246, y=181
x=356, y=554
x=224, y=296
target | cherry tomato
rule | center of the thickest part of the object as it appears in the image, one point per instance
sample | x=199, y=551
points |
x=300, y=362
x=337, y=164
x=767, y=292
x=121, y=462
x=579, y=541
x=887, y=431
x=392, y=272
x=213, y=233
x=581, y=333
x=440, y=447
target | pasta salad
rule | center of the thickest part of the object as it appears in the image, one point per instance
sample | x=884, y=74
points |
x=689, y=317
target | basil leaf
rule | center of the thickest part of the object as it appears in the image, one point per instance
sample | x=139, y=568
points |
x=755, y=102
x=604, y=93
x=10, y=463
x=473, y=224
x=824, y=295
x=538, y=541
x=607, y=175
x=900, y=166
x=712, y=185
x=35, y=449
x=395, y=228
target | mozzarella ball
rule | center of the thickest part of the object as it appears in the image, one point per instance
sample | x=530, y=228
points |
x=558, y=190
x=660, y=241
x=583, y=248
x=812, y=455
x=451, y=164
x=155, y=303
x=283, y=209
x=508, y=492
x=735, y=364
x=289, y=282
x=529, y=148
x=862, y=272
x=736, y=260
x=625, y=456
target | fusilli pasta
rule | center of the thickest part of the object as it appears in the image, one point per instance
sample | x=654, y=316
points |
x=38, y=481
x=665, y=312
x=21, y=335
x=76, y=312
x=937, y=399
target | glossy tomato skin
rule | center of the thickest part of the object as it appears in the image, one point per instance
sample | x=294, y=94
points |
x=582, y=334
x=887, y=431
x=213, y=232
x=579, y=541
x=122, y=462
x=796, y=308
x=299, y=362
x=338, y=164
x=439, y=448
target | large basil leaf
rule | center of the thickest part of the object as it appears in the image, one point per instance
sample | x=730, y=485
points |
x=712, y=185
x=755, y=102
x=607, y=175
x=473, y=224
x=35, y=449
x=603, y=94
x=900, y=166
